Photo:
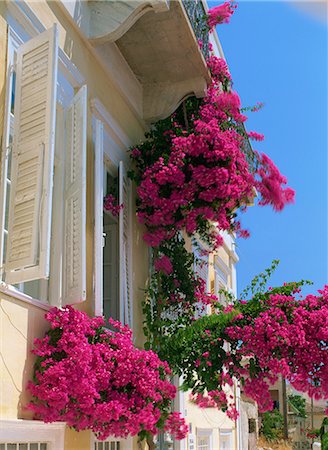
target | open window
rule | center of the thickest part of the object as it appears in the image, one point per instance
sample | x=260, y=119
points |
x=201, y=269
x=112, y=244
x=42, y=191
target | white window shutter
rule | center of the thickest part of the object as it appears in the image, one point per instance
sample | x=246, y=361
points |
x=201, y=269
x=201, y=266
x=125, y=255
x=74, y=265
x=30, y=204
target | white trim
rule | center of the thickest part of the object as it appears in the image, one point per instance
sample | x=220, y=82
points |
x=114, y=129
x=13, y=42
x=98, y=215
x=225, y=433
x=11, y=291
x=15, y=431
x=205, y=432
x=126, y=444
x=21, y=11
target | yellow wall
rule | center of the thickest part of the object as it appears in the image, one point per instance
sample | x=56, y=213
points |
x=20, y=323
x=77, y=440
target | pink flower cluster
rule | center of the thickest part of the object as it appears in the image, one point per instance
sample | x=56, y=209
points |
x=214, y=399
x=176, y=426
x=290, y=338
x=94, y=378
x=163, y=264
x=220, y=14
x=110, y=204
x=270, y=185
x=204, y=177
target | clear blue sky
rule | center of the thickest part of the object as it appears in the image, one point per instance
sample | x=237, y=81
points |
x=277, y=54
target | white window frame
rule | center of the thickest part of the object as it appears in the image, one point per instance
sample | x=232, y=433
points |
x=23, y=25
x=125, y=444
x=104, y=122
x=204, y=432
x=23, y=431
x=225, y=433
x=197, y=248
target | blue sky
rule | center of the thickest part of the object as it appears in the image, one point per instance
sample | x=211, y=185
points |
x=277, y=54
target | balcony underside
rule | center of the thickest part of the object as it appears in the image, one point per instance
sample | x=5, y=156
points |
x=156, y=40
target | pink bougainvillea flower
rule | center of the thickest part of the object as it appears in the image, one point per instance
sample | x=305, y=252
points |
x=110, y=204
x=270, y=185
x=163, y=264
x=256, y=136
x=220, y=14
x=96, y=379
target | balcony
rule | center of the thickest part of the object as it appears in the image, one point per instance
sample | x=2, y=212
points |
x=151, y=46
x=197, y=17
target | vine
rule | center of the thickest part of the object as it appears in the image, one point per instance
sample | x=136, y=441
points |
x=195, y=173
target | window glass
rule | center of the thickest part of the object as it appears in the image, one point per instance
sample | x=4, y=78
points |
x=110, y=252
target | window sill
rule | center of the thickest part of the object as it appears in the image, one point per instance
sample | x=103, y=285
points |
x=14, y=293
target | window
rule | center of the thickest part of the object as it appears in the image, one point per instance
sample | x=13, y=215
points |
x=31, y=435
x=108, y=445
x=111, y=304
x=24, y=446
x=221, y=279
x=225, y=437
x=113, y=242
x=42, y=190
x=201, y=269
x=204, y=440
x=112, y=444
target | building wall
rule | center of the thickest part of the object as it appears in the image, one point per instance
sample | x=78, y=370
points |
x=22, y=319
x=211, y=420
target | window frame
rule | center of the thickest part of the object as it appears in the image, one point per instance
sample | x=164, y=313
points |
x=204, y=432
x=125, y=444
x=22, y=431
x=104, y=124
x=19, y=17
x=225, y=432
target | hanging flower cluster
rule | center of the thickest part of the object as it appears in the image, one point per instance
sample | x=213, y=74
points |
x=195, y=172
x=220, y=14
x=287, y=337
x=111, y=205
x=94, y=378
x=255, y=341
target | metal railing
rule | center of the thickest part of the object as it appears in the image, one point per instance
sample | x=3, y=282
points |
x=197, y=17
x=251, y=156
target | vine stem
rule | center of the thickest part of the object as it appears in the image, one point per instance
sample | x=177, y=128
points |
x=150, y=442
x=185, y=116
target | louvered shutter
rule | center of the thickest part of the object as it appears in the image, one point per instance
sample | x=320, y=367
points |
x=74, y=265
x=30, y=204
x=125, y=247
x=201, y=266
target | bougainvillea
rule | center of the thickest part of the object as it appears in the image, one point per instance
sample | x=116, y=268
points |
x=220, y=14
x=94, y=378
x=111, y=205
x=275, y=333
x=193, y=170
x=194, y=173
